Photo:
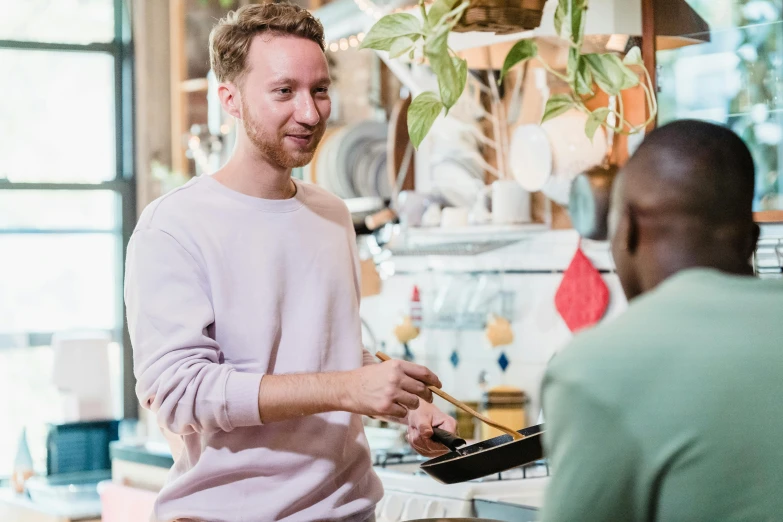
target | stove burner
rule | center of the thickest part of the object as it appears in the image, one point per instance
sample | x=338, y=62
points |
x=383, y=458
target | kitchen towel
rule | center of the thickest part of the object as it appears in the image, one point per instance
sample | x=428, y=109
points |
x=583, y=297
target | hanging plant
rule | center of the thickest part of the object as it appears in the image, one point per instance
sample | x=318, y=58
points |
x=426, y=39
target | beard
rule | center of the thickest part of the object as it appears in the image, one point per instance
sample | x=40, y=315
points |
x=273, y=145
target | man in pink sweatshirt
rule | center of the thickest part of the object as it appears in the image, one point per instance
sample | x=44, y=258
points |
x=243, y=307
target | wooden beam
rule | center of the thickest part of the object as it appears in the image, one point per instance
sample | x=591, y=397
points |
x=649, y=47
x=179, y=116
x=153, y=98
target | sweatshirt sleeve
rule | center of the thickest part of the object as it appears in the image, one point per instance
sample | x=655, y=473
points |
x=179, y=369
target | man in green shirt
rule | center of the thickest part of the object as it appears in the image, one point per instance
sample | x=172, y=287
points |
x=674, y=410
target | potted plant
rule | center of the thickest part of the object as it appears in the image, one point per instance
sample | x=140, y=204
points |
x=426, y=39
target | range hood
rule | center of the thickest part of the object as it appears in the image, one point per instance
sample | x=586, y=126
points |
x=677, y=24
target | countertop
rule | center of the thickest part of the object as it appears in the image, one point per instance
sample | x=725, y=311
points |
x=21, y=508
x=149, y=454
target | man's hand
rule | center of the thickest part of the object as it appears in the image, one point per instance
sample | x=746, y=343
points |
x=420, y=424
x=389, y=389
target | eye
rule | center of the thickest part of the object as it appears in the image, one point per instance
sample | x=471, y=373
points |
x=285, y=90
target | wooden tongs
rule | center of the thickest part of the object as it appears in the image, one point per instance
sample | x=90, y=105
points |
x=464, y=407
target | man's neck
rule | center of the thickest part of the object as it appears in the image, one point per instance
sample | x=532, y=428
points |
x=256, y=176
x=670, y=263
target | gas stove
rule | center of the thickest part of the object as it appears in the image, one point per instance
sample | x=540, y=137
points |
x=412, y=494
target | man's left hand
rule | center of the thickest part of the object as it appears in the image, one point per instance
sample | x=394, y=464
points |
x=420, y=424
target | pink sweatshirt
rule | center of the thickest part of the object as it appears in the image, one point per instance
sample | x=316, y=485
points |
x=222, y=288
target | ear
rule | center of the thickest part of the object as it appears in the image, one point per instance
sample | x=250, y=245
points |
x=230, y=99
x=756, y=233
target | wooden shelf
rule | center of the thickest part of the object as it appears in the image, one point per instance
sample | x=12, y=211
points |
x=768, y=216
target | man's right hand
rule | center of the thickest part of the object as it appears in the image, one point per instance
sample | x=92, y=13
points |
x=388, y=389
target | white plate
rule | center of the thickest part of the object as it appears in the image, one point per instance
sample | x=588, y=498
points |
x=530, y=157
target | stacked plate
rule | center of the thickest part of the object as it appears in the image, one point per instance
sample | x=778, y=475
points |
x=352, y=161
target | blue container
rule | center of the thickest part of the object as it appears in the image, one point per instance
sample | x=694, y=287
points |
x=80, y=446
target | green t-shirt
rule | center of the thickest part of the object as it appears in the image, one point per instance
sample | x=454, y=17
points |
x=674, y=410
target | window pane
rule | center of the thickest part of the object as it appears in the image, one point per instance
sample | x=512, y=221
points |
x=63, y=21
x=53, y=282
x=736, y=79
x=57, y=114
x=59, y=209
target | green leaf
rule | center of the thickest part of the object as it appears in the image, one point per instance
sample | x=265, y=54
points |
x=523, y=50
x=583, y=82
x=386, y=30
x=462, y=74
x=578, y=8
x=557, y=105
x=422, y=113
x=634, y=57
x=440, y=9
x=579, y=76
x=560, y=14
x=401, y=46
x=610, y=74
x=569, y=16
x=574, y=57
x=451, y=82
x=596, y=119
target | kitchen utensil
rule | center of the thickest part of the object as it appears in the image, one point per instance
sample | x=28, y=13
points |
x=483, y=458
x=461, y=405
x=589, y=201
x=583, y=297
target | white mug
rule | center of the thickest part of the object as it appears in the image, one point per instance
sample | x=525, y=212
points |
x=510, y=203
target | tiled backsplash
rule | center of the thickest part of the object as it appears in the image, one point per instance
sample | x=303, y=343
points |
x=539, y=332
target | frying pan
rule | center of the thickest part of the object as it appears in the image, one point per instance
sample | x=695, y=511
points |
x=483, y=458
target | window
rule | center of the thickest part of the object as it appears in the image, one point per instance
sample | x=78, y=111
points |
x=736, y=79
x=67, y=198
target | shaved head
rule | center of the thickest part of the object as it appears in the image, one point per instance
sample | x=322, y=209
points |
x=684, y=200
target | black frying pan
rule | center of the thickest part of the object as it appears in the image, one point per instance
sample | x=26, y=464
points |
x=483, y=458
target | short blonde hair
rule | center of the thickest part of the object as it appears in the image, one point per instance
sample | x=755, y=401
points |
x=229, y=41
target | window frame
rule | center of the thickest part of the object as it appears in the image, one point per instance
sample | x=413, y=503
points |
x=124, y=180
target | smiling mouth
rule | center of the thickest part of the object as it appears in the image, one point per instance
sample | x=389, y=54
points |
x=302, y=140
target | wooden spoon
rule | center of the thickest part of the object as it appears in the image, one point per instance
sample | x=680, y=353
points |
x=461, y=405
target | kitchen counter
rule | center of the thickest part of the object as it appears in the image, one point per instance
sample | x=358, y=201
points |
x=19, y=508
x=147, y=454
x=521, y=506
